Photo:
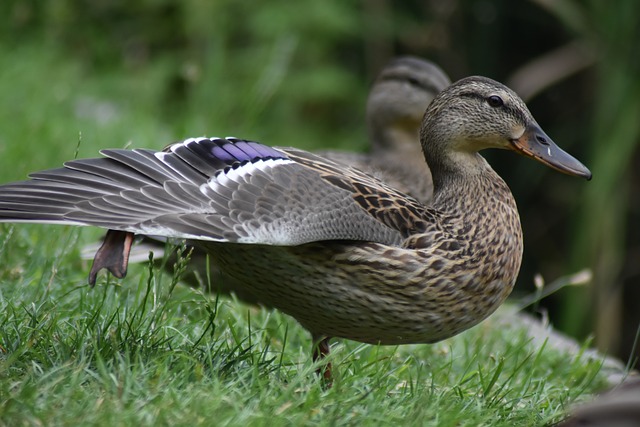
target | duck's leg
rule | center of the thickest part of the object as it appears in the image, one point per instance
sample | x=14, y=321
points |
x=321, y=349
x=112, y=255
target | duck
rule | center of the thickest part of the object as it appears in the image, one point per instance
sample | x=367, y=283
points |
x=396, y=103
x=339, y=250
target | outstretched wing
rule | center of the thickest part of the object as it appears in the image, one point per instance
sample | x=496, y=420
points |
x=388, y=205
x=207, y=189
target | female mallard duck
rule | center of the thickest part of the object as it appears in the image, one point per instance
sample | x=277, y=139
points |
x=339, y=250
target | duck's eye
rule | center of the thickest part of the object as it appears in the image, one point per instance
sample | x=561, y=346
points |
x=495, y=101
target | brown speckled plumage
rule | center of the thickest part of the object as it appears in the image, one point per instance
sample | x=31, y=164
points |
x=338, y=249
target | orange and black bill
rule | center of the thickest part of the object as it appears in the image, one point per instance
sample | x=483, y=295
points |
x=536, y=144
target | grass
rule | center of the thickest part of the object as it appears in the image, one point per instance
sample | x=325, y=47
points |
x=149, y=351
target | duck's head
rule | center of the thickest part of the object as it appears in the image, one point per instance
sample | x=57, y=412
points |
x=477, y=113
x=398, y=98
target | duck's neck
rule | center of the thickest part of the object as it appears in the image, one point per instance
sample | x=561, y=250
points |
x=455, y=169
x=465, y=182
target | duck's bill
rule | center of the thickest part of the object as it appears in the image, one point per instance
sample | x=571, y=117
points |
x=536, y=144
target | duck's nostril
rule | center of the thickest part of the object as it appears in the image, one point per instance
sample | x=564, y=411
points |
x=542, y=140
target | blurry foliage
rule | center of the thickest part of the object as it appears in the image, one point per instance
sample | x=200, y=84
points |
x=227, y=66
x=297, y=73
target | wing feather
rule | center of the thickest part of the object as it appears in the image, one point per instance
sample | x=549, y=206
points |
x=210, y=189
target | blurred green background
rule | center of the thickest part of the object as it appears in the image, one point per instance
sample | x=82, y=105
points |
x=148, y=72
